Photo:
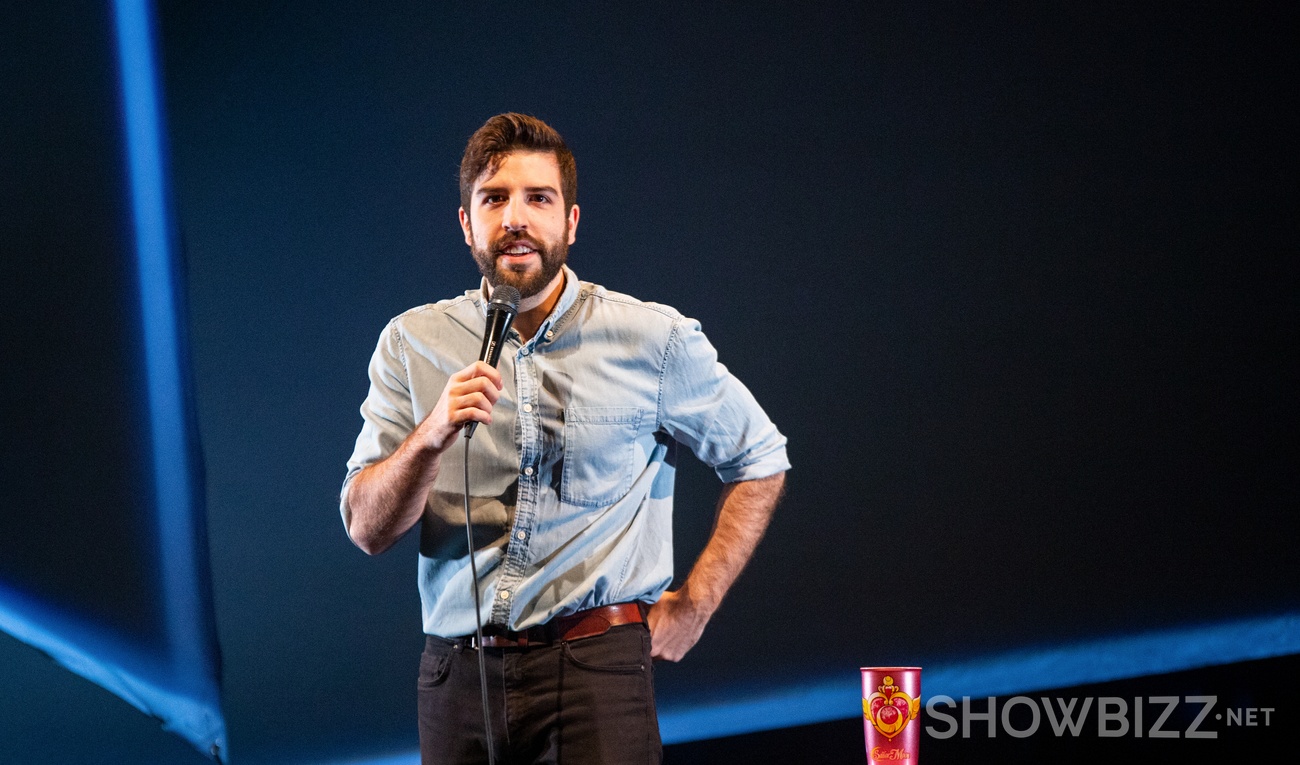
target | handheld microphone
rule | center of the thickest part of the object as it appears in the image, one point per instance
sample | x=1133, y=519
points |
x=501, y=312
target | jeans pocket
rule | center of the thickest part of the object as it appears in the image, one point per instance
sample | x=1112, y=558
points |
x=435, y=665
x=620, y=651
x=599, y=446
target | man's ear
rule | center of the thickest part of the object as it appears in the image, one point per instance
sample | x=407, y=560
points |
x=465, y=227
x=573, y=223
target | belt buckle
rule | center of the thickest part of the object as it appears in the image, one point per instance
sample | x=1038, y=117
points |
x=511, y=640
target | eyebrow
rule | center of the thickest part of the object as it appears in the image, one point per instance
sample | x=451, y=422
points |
x=484, y=190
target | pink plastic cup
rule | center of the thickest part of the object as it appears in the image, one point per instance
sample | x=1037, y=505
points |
x=891, y=714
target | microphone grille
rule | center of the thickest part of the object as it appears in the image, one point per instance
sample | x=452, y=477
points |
x=505, y=296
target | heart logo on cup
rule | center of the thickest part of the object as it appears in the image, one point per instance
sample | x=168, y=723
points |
x=890, y=709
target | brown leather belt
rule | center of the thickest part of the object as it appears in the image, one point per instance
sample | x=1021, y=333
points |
x=583, y=624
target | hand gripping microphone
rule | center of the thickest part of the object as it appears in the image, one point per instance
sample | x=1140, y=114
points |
x=501, y=312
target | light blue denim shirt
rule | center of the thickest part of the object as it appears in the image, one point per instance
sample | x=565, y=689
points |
x=571, y=486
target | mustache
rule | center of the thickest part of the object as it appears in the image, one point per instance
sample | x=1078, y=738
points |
x=506, y=244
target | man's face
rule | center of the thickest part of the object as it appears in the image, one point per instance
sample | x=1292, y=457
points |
x=517, y=227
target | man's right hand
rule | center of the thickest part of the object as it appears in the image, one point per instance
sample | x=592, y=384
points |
x=468, y=397
x=387, y=498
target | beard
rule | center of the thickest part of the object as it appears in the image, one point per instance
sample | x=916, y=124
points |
x=553, y=256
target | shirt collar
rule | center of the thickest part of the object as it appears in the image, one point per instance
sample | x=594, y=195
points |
x=567, y=299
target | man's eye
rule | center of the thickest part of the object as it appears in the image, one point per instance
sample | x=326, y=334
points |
x=541, y=198
x=493, y=199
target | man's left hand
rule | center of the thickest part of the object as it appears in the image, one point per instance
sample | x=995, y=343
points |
x=744, y=509
x=676, y=623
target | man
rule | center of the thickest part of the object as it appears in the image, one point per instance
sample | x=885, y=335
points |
x=571, y=473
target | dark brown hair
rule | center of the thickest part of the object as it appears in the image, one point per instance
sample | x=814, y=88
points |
x=509, y=132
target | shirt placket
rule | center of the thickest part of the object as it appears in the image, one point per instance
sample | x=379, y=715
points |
x=529, y=434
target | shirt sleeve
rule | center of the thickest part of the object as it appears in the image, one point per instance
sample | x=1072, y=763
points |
x=387, y=414
x=704, y=406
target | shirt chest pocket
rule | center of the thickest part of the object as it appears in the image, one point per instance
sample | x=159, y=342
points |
x=599, y=454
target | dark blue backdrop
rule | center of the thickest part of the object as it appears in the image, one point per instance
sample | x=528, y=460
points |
x=1016, y=283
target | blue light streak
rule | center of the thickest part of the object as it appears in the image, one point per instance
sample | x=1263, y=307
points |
x=1095, y=661
x=172, y=468
x=179, y=685
x=1020, y=671
x=192, y=707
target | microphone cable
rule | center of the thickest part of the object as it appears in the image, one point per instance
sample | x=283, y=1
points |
x=478, y=615
x=501, y=313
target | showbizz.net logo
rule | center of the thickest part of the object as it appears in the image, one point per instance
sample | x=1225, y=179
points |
x=1153, y=717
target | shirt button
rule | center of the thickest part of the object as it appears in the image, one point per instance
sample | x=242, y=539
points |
x=528, y=407
x=503, y=594
x=550, y=334
x=521, y=534
x=528, y=470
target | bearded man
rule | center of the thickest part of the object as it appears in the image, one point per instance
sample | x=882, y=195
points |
x=571, y=479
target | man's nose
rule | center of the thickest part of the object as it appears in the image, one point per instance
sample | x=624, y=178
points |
x=514, y=217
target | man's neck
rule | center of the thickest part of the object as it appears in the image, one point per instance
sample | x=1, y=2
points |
x=532, y=314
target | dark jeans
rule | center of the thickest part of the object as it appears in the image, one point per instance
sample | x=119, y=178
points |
x=584, y=702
